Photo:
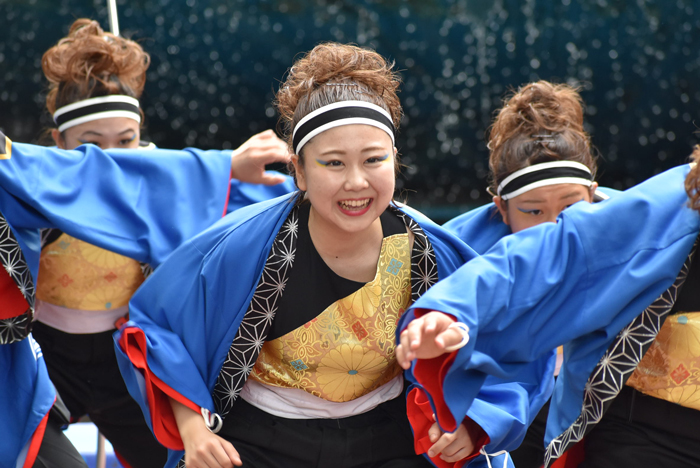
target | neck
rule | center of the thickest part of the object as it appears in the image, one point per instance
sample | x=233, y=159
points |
x=331, y=241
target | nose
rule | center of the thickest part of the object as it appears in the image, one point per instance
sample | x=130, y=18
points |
x=551, y=217
x=355, y=179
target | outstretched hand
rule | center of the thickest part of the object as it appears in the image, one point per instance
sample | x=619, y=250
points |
x=428, y=337
x=248, y=160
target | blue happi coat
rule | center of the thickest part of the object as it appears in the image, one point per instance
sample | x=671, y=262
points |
x=139, y=203
x=185, y=317
x=578, y=283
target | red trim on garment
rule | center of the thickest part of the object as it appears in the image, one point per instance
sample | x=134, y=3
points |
x=228, y=192
x=13, y=302
x=37, y=438
x=420, y=415
x=121, y=460
x=430, y=373
x=158, y=393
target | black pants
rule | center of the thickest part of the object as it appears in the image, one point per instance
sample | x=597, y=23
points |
x=530, y=454
x=56, y=451
x=84, y=369
x=381, y=438
x=640, y=431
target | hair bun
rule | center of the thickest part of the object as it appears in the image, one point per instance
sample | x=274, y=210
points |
x=89, y=62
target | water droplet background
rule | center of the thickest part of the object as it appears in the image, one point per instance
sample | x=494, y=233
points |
x=216, y=65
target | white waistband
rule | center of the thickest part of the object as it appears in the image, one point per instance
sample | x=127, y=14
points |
x=293, y=403
x=77, y=321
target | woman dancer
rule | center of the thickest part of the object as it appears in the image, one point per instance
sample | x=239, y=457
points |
x=83, y=290
x=602, y=281
x=541, y=163
x=124, y=203
x=288, y=350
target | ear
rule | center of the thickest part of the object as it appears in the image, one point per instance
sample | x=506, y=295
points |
x=592, y=189
x=299, y=172
x=502, y=206
x=58, y=138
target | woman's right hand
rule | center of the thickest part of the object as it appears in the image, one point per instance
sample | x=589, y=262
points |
x=203, y=449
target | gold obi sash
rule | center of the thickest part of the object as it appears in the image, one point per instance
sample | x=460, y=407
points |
x=78, y=275
x=349, y=349
x=670, y=369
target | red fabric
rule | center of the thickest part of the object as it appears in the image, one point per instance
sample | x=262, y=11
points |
x=228, y=194
x=13, y=302
x=121, y=460
x=35, y=444
x=431, y=373
x=420, y=415
x=133, y=343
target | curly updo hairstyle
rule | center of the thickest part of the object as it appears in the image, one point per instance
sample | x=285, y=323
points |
x=333, y=72
x=91, y=63
x=540, y=122
x=692, y=181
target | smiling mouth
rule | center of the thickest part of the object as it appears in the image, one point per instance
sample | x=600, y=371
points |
x=354, y=205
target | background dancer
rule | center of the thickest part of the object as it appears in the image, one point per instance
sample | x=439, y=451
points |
x=83, y=290
x=542, y=162
x=602, y=281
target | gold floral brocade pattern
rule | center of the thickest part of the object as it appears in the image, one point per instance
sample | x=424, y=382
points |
x=670, y=369
x=78, y=275
x=349, y=349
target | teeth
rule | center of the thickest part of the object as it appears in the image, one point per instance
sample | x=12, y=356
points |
x=353, y=204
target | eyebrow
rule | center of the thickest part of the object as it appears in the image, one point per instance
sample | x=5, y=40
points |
x=363, y=150
x=92, y=132
x=536, y=200
x=572, y=194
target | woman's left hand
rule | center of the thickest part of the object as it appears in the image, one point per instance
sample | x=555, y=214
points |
x=427, y=337
x=451, y=447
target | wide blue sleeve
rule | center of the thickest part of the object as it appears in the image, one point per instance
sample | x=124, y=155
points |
x=580, y=280
x=183, y=319
x=138, y=203
x=244, y=194
x=503, y=408
x=481, y=227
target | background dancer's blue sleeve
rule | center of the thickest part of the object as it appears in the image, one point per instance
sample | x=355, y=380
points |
x=481, y=227
x=138, y=203
x=244, y=194
x=580, y=281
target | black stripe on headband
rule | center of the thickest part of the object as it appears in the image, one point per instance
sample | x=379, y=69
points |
x=339, y=114
x=544, y=174
x=95, y=109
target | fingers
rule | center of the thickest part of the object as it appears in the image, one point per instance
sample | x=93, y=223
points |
x=434, y=432
x=232, y=453
x=402, y=351
x=443, y=441
x=452, y=447
x=271, y=179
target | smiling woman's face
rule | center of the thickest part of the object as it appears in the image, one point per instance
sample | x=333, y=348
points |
x=542, y=205
x=112, y=132
x=348, y=176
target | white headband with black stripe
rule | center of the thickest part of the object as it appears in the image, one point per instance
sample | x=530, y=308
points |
x=338, y=114
x=97, y=108
x=542, y=175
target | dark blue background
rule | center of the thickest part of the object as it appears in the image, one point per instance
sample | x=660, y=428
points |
x=216, y=65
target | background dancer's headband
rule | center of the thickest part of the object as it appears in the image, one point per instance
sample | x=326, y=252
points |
x=97, y=108
x=543, y=174
x=338, y=114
